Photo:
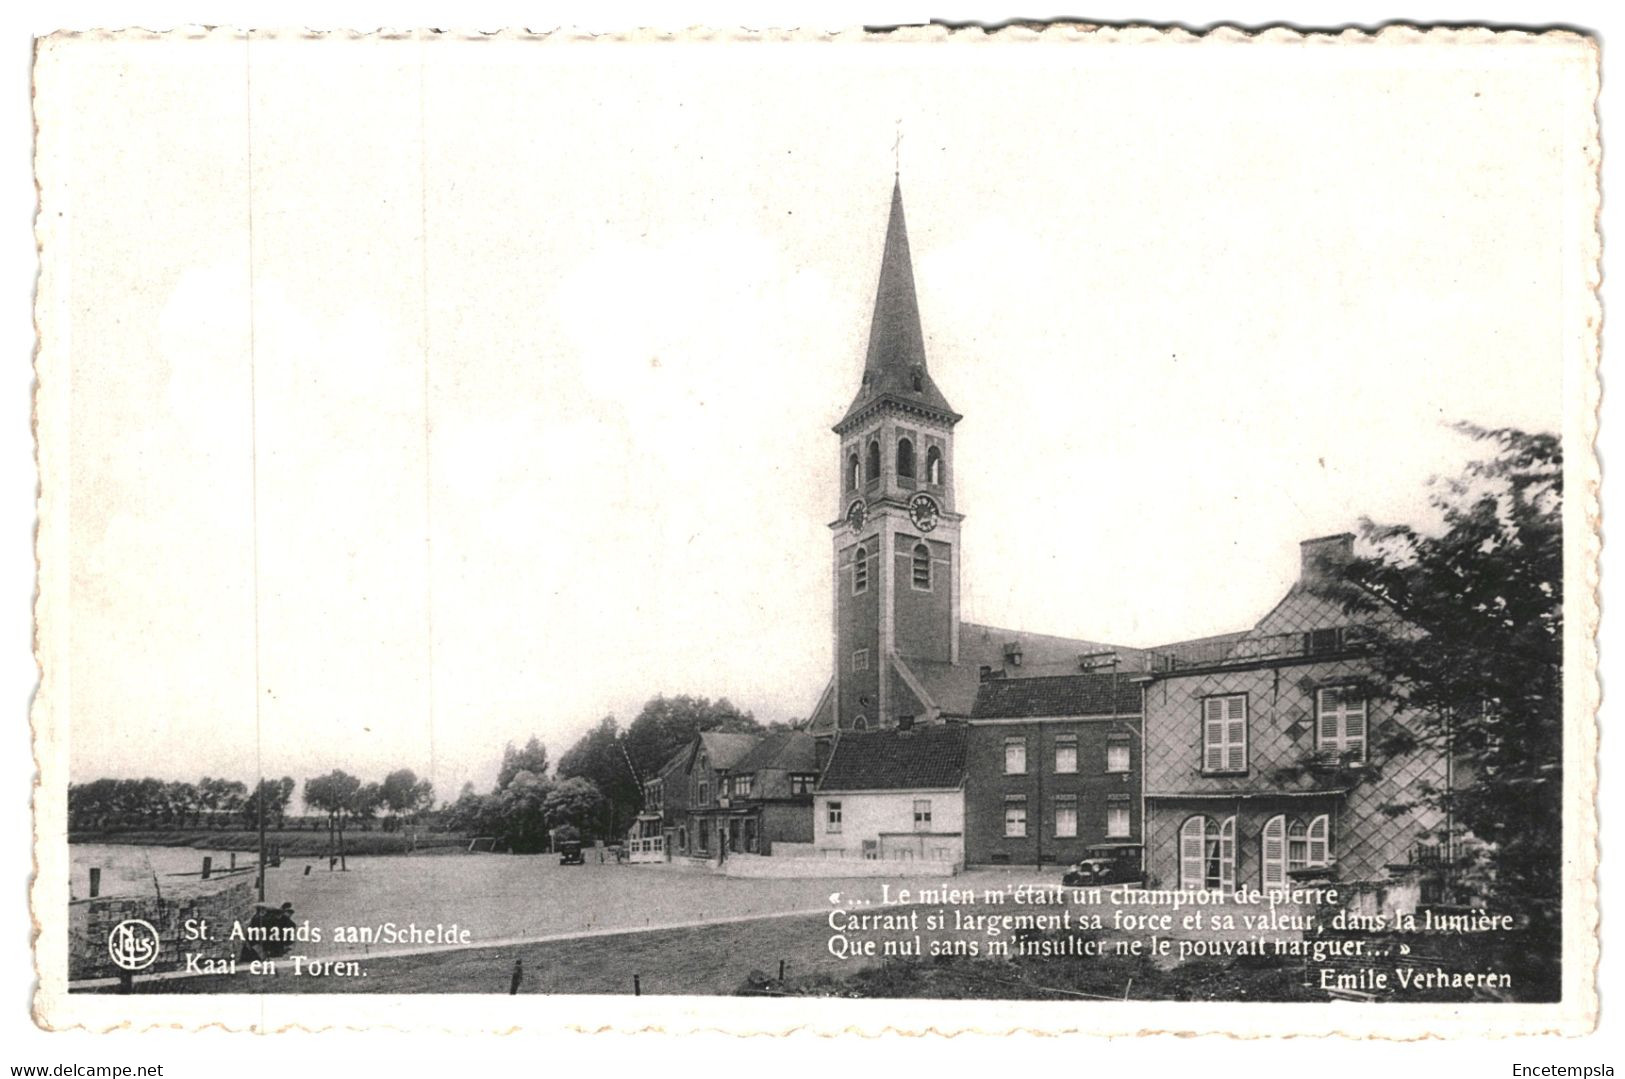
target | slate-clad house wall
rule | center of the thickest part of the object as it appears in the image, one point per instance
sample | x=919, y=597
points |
x=1052, y=768
x=1266, y=750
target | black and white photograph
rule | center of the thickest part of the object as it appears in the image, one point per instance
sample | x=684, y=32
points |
x=1074, y=528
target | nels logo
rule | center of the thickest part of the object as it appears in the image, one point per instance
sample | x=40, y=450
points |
x=133, y=944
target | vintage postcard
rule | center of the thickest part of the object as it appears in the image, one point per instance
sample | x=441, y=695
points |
x=1065, y=529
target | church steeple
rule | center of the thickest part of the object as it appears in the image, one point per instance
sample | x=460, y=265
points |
x=894, y=369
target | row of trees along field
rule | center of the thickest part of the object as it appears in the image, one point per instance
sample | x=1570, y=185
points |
x=596, y=789
x=337, y=798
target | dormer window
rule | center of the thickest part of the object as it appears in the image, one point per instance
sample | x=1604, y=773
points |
x=905, y=458
x=918, y=379
x=933, y=467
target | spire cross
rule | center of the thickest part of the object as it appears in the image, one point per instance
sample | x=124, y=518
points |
x=897, y=151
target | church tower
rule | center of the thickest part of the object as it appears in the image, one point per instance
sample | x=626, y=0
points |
x=896, y=539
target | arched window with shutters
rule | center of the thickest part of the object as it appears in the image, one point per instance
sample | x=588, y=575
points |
x=860, y=570
x=933, y=467
x=922, y=567
x=1207, y=854
x=872, y=471
x=905, y=458
x=1273, y=852
x=1297, y=846
x=854, y=472
x=1320, y=841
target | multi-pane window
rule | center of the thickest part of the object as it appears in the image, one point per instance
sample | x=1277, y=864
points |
x=742, y=785
x=1066, y=754
x=802, y=782
x=1117, y=754
x=1117, y=822
x=832, y=817
x=860, y=660
x=860, y=571
x=1292, y=845
x=922, y=567
x=705, y=792
x=1224, y=733
x=1340, y=721
x=1066, y=816
x=1207, y=854
x=1015, y=816
x=922, y=814
x=1015, y=756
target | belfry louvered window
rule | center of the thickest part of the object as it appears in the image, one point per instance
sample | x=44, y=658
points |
x=860, y=571
x=1224, y=733
x=922, y=567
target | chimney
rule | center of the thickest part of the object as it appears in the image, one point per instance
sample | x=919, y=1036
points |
x=1322, y=557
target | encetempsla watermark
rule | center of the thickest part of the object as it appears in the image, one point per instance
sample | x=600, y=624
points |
x=1546, y=1071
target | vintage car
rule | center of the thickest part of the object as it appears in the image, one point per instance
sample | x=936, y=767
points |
x=570, y=853
x=1108, y=863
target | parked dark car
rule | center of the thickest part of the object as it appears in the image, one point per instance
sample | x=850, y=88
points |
x=570, y=853
x=1106, y=864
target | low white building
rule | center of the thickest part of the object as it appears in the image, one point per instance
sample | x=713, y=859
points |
x=893, y=795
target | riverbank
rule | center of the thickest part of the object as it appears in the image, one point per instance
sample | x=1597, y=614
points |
x=293, y=844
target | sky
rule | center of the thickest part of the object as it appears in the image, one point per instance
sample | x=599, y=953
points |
x=421, y=397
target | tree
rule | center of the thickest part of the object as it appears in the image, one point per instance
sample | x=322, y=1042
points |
x=1472, y=652
x=402, y=794
x=334, y=795
x=600, y=758
x=572, y=802
x=668, y=723
x=276, y=793
x=533, y=759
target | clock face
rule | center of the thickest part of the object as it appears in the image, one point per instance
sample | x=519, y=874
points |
x=922, y=509
x=856, y=513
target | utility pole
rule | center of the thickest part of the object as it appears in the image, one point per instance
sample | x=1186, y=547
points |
x=259, y=800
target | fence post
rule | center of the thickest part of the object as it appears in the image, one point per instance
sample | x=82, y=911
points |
x=208, y=862
x=95, y=881
x=637, y=986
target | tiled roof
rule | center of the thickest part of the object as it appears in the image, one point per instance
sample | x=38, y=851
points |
x=792, y=751
x=1068, y=695
x=895, y=365
x=725, y=749
x=929, y=757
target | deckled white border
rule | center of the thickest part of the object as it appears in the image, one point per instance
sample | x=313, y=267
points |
x=55, y=1009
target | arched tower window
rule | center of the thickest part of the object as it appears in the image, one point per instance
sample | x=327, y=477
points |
x=860, y=724
x=905, y=458
x=872, y=471
x=922, y=567
x=860, y=571
x=854, y=474
x=933, y=466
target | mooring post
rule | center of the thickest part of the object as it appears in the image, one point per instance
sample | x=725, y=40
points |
x=208, y=863
x=233, y=857
x=637, y=986
x=518, y=976
x=95, y=881
x=781, y=970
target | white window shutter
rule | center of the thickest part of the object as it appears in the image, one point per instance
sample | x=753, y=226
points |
x=1319, y=844
x=1236, y=734
x=1227, y=856
x=1275, y=853
x=1213, y=734
x=1354, y=727
x=1190, y=852
x=1328, y=718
